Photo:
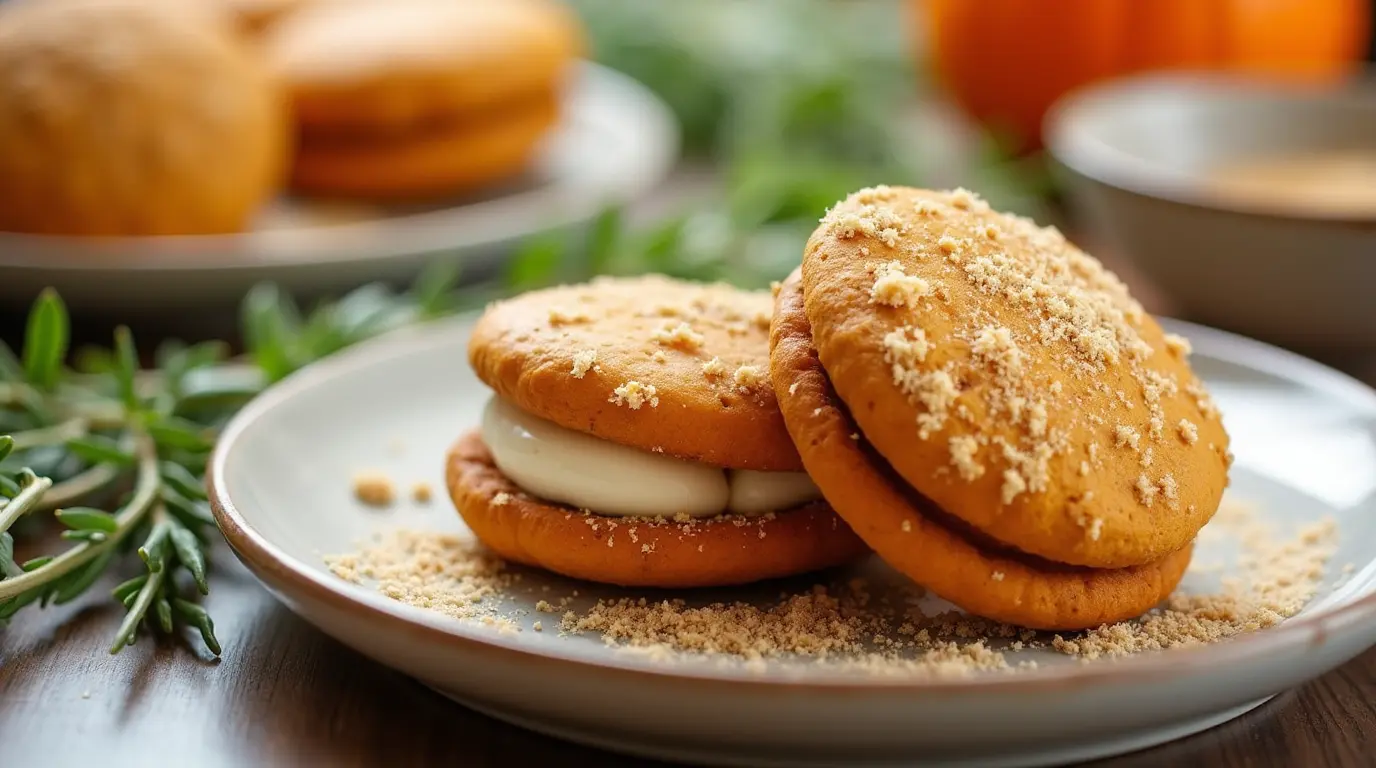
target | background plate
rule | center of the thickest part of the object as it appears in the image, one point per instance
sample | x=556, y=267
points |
x=280, y=482
x=616, y=142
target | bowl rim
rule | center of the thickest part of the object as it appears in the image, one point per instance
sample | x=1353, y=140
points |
x=271, y=564
x=1073, y=143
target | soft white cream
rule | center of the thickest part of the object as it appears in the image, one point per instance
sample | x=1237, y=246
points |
x=561, y=465
x=756, y=493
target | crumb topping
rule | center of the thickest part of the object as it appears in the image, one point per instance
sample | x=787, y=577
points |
x=633, y=394
x=963, y=450
x=583, y=362
x=563, y=316
x=748, y=377
x=893, y=287
x=681, y=336
x=1188, y=432
x=714, y=368
x=868, y=220
x=501, y=499
x=1178, y=345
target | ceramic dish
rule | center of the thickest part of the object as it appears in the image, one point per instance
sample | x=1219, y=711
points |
x=280, y=483
x=616, y=142
x=1137, y=154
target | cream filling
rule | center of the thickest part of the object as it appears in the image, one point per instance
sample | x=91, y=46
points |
x=561, y=465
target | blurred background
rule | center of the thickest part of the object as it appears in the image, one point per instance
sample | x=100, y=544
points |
x=173, y=164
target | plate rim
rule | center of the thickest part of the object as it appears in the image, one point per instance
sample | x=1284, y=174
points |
x=260, y=554
x=244, y=251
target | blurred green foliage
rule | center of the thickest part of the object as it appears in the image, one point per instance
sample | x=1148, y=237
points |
x=793, y=103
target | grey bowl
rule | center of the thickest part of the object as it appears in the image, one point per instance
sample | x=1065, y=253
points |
x=1133, y=154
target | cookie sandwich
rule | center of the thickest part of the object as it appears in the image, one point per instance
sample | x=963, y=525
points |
x=633, y=438
x=992, y=412
x=418, y=99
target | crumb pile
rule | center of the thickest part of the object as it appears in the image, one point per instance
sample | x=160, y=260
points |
x=847, y=626
x=1275, y=578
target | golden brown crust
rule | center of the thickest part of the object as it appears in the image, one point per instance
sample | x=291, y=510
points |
x=649, y=362
x=442, y=160
x=387, y=67
x=907, y=531
x=638, y=552
x=1011, y=379
x=132, y=117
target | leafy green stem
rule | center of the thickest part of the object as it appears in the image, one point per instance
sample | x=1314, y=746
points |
x=27, y=500
x=54, y=435
x=145, y=494
x=79, y=487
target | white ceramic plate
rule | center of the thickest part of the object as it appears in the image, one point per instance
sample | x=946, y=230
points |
x=280, y=483
x=617, y=141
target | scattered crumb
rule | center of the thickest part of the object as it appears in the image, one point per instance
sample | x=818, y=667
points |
x=1277, y=578
x=538, y=626
x=793, y=388
x=714, y=368
x=997, y=576
x=421, y=492
x=907, y=526
x=659, y=356
x=633, y=394
x=501, y=499
x=584, y=362
x=374, y=489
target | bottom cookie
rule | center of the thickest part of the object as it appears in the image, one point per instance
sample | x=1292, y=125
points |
x=915, y=537
x=438, y=161
x=640, y=552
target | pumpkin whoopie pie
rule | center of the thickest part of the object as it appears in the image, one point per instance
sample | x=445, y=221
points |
x=634, y=439
x=416, y=99
x=992, y=412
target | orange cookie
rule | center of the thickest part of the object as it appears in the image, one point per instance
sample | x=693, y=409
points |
x=649, y=362
x=389, y=67
x=442, y=160
x=1011, y=379
x=132, y=117
x=919, y=540
x=634, y=438
x=638, y=551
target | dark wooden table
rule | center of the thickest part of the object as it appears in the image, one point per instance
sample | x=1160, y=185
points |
x=285, y=694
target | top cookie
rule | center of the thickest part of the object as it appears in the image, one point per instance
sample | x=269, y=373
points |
x=1010, y=378
x=654, y=363
x=388, y=66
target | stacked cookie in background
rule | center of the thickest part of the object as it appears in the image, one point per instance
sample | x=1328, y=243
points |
x=983, y=404
x=419, y=99
x=159, y=117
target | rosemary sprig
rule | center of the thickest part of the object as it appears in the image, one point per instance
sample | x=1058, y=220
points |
x=86, y=433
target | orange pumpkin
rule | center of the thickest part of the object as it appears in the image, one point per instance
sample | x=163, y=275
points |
x=1005, y=61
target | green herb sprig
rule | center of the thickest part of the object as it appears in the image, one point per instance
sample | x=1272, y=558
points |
x=117, y=453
